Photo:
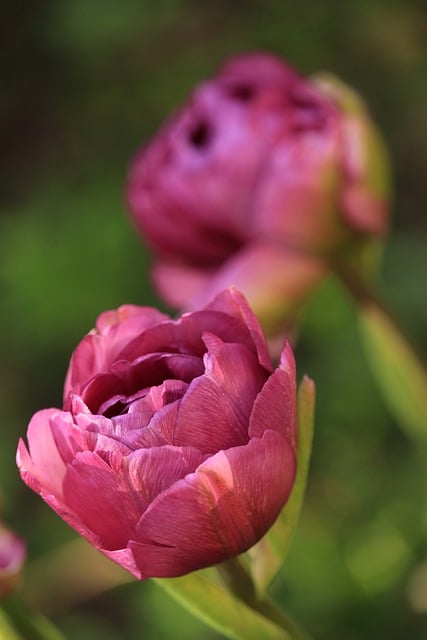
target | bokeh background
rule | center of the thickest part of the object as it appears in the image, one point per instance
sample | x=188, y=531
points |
x=85, y=82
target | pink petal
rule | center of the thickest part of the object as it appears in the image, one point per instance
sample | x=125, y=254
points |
x=296, y=202
x=276, y=405
x=149, y=472
x=174, y=174
x=41, y=465
x=179, y=283
x=12, y=554
x=123, y=557
x=92, y=433
x=184, y=335
x=233, y=302
x=157, y=432
x=214, y=413
x=100, y=348
x=107, y=501
x=127, y=320
x=275, y=281
x=99, y=498
x=217, y=512
x=365, y=192
x=263, y=69
x=363, y=210
x=128, y=379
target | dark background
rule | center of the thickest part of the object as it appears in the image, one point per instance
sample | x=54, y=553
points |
x=84, y=83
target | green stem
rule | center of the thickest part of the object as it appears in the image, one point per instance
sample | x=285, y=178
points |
x=399, y=372
x=241, y=585
x=360, y=291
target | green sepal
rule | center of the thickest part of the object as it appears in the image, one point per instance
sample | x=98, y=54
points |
x=268, y=556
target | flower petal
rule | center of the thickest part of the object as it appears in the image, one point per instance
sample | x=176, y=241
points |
x=149, y=472
x=98, y=496
x=217, y=512
x=275, y=407
x=234, y=303
x=41, y=464
x=130, y=379
x=274, y=279
x=100, y=348
x=214, y=413
x=108, y=499
x=157, y=432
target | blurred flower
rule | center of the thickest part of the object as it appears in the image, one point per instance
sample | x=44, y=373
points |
x=12, y=558
x=175, y=448
x=256, y=179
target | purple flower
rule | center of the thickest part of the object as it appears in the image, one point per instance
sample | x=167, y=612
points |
x=258, y=176
x=12, y=558
x=175, y=447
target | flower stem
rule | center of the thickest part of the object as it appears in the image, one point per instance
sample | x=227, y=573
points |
x=241, y=585
x=399, y=372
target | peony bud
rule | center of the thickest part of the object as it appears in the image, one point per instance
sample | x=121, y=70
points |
x=175, y=447
x=12, y=558
x=254, y=182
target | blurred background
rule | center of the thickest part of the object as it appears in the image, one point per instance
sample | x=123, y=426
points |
x=84, y=84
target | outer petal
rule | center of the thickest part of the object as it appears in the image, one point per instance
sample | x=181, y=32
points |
x=233, y=302
x=260, y=70
x=12, y=554
x=216, y=133
x=179, y=283
x=121, y=324
x=227, y=316
x=296, y=204
x=114, y=329
x=85, y=433
x=108, y=499
x=123, y=557
x=366, y=172
x=276, y=405
x=365, y=193
x=42, y=465
x=99, y=498
x=149, y=472
x=217, y=512
x=275, y=281
x=214, y=413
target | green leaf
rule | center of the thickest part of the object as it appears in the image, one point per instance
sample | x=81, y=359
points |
x=397, y=369
x=18, y=622
x=219, y=609
x=268, y=556
x=7, y=631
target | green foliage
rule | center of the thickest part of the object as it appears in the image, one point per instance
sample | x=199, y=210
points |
x=84, y=85
x=17, y=622
x=399, y=372
x=215, y=605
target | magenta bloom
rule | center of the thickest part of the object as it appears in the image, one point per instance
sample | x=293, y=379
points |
x=175, y=448
x=259, y=174
x=12, y=557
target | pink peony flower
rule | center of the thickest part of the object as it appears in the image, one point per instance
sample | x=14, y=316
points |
x=12, y=557
x=175, y=447
x=260, y=175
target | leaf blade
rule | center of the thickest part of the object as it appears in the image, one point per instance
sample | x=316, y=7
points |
x=219, y=609
x=396, y=368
